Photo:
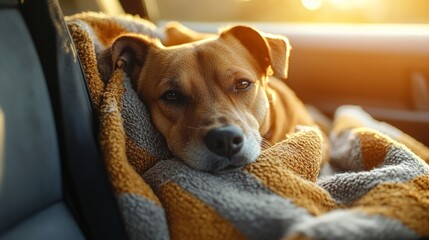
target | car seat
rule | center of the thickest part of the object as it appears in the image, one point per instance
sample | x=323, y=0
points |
x=53, y=184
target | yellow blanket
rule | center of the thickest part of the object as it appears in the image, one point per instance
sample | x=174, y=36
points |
x=383, y=195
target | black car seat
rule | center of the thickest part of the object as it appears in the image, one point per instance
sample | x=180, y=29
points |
x=53, y=184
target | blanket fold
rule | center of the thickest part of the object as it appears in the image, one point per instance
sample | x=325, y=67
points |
x=382, y=192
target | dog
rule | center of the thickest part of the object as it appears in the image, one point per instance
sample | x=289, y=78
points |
x=214, y=98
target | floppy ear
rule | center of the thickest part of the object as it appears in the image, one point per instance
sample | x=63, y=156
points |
x=279, y=54
x=271, y=51
x=128, y=52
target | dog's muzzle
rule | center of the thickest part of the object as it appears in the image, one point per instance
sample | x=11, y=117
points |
x=225, y=141
x=223, y=149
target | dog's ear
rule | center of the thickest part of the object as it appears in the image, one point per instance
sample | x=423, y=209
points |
x=127, y=52
x=271, y=51
x=279, y=54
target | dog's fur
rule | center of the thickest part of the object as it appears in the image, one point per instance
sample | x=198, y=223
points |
x=195, y=83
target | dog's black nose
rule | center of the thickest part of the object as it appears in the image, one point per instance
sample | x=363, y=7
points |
x=224, y=141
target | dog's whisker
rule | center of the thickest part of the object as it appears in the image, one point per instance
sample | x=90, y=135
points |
x=195, y=128
x=265, y=146
x=265, y=143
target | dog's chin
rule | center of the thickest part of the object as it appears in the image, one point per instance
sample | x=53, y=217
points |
x=197, y=156
x=215, y=164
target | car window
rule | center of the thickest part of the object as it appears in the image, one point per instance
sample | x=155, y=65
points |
x=322, y=11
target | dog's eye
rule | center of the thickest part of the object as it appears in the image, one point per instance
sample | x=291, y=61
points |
x=243, y=84
x=172, y=96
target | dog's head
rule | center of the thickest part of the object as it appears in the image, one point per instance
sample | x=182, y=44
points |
x=207, y=98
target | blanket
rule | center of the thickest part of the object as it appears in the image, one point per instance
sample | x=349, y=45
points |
x=381, y=192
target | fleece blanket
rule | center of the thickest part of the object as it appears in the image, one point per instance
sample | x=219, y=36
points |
x=381, y=192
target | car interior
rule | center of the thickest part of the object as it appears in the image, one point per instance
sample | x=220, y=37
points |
x=53, y=183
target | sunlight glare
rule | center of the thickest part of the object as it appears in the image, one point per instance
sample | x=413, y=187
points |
x=342, y=4
x=349, y=4
x=312, y=5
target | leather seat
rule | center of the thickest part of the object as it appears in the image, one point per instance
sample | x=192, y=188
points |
x=53, y=184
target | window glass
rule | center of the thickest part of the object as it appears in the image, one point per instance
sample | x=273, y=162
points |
x=321, y=11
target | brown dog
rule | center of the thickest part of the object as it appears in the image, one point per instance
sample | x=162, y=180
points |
x=213, y=100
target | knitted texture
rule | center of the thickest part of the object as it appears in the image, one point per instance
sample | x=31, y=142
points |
x=384, y=194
